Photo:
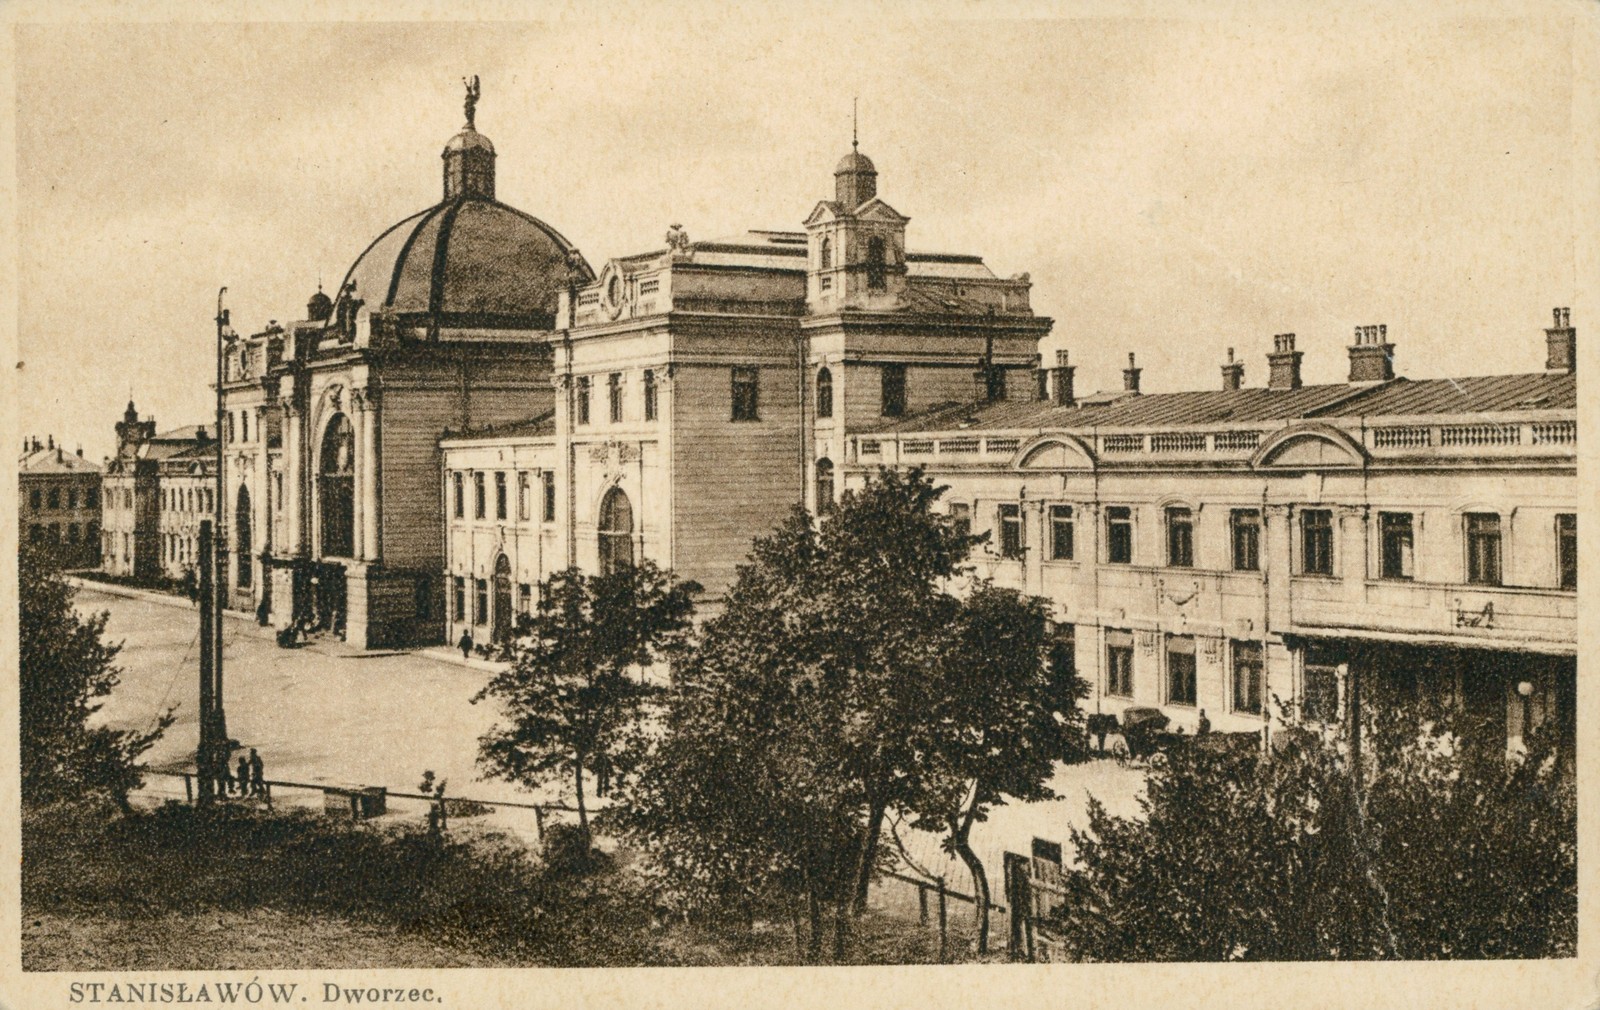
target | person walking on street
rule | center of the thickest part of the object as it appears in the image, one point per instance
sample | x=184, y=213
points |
x=1205, y=724
x=258, y=769
x=224, y=777
x=244, y=776
x=465, y=645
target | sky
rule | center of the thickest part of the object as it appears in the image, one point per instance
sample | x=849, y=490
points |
x=1173, y=186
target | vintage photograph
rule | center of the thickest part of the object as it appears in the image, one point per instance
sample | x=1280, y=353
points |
x=731, y=488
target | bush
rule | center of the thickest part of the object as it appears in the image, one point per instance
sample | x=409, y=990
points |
x=1445, y=851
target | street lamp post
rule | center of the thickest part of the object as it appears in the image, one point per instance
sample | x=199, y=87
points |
x=1525, y=689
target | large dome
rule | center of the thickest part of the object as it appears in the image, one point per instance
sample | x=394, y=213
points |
x=469, y=261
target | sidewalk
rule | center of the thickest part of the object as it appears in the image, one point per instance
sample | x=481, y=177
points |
x=445, y=654
x=153, y=596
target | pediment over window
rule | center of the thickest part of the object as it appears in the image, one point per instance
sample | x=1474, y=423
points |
x=1310, y=447
x=1054, y=452
x=876, y=210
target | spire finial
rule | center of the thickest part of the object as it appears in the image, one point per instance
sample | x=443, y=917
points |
x=855, y=123
x=471, y=104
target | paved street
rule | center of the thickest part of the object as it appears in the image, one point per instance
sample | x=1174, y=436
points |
x=326, y=713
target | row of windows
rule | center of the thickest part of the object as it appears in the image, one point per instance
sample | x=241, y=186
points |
x=1246, y=671
x=614, y=397
x=178, y=499
x=480, y=599
x=1481, y=531
x=38, y=500
x=241, y=432
x=39, y=533
x=480, y=498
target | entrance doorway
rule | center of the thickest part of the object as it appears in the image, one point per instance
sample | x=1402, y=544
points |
x=501, y=631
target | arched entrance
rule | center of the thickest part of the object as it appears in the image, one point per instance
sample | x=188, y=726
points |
x=242, y=545
x=616, y=531
x=502, y=615
x=336, y=488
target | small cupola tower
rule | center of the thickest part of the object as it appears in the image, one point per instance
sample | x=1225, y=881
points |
x=856, y=243
x=469, y=156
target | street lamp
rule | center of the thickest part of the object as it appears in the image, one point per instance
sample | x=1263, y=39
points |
x=1525, y=689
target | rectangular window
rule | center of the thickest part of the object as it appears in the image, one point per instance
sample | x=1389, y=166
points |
x=1119, y=535
x=746, y=392
x=1316, y=542
x=1396, y=545
x=458, y=598
x=961, y=518
x=1483, y=548
x=524, y=598
x=649, y=395
x=460, y=495
x=1061, y=532
x=894, y=390
x=1246, y=528
x=547, y=480
x=1119, y=664
x=524, y=496
x=1063, y=653
x=1180, y=670
x=479, y=499
x=1009, y=519
x=92, y=498
x=1247, y=677
x=72, y=499
x=1180, y=538
x=34, y=499
x=55, y=498
x=72, y=533
x=1567, y=550
x=481, y=614
x=583, y=399
x=1320, y=702
x=500, y=494
x=614, y=396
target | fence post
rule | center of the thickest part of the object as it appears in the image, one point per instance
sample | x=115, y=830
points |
x=188, y=788
x=922, y=903
x=944, y=935
x=538, y=824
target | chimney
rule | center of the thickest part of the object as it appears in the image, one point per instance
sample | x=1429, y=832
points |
x=1283, y=364
x=1372, y=356
x=1232, y=373
x=201, y=435
x=1063, y=379
x=1041, y=378
x=50, y=442
x=80, y=452
x=60, y=455
x=1130, y=375
x=1562, y=342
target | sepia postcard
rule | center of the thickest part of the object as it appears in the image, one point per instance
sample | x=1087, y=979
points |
x=882, y=504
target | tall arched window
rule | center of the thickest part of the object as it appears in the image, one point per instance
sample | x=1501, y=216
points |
x=827, y=255
x=824, y=486
x=876, y=279
x=824, y=393
x=336, y=488
x=616, y=531
x=242, y=544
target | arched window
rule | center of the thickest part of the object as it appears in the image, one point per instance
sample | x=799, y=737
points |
x=827, y=255
x=336, y=488
x=876, y=279
x=824, y=393
x=616, y=531
x=824, y=486
x=242, y=544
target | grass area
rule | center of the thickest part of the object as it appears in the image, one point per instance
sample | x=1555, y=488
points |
x=243, y=888
x=158, y=583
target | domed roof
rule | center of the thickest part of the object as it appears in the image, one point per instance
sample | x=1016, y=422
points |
x=469, y=139
x=855, y=161
x=469, y=261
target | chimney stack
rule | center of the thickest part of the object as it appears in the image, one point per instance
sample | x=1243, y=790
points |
x=1283, y=364
x=1041, y=378
x=80, y=452
x=1063, y=380
x=1562, y=343
x=1232, y=373
x=1372, y=356
x=49, y=441
x=201, y=435
x=1130, y=375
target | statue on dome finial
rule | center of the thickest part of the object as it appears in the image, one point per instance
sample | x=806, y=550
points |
x=472, y=100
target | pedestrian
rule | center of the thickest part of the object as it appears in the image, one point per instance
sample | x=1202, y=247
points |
x=244, y=776
x=258, y=770
x=465, y=645
x=1205, y=724
x=224, y=777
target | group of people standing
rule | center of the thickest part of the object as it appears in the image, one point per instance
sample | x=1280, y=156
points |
x=249, y=780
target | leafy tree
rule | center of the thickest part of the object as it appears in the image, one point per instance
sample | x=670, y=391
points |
x=571, y=697
x=1446, y=851
x=66, y=670
x=796, y=727
x=1003, y=715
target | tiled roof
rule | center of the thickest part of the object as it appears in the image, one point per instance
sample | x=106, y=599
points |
x=1480, y=394
x=55, y=461
x=542, y=426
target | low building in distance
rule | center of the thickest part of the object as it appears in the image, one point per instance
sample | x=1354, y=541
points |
x=58, y=502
